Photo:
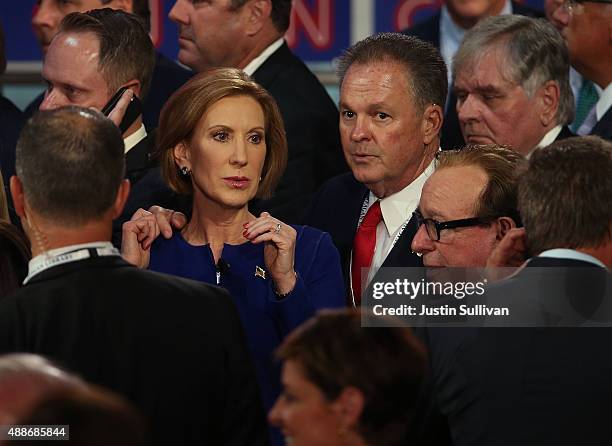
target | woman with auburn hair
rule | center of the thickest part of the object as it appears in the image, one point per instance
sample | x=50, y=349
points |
x=348, y=385
x=222, y=141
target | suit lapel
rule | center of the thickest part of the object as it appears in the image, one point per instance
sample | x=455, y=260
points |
x=401, y=254
x=137, y=159
x=603, y=127
x=273, y=65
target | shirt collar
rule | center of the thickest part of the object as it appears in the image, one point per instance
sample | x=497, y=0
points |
x=38, y=263
x=454, y=31
x=130, y=142
x=253, y=65
x=398, y=208
x=604, y=103
x=564, y=253
x=548, y=139
x=448, y=28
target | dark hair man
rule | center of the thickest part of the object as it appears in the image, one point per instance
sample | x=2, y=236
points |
x=445, y=30
x=248, y=34
x=585, y=26
x=468, y=205
x=92, y=55
x=392, y=93
x=173, y=347
x=511, y=78
x=167, y=75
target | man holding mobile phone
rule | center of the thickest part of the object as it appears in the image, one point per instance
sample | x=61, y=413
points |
x=93, y=56
x=168, y=76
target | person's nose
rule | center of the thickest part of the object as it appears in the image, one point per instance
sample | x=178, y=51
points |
x=178, y=13
x=421, y=243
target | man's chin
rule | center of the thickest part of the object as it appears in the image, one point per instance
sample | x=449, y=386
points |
x=478, y=139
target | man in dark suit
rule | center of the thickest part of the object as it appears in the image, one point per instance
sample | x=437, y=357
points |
x=174, y=347
x=590, y=56
x=542, y=384
x=168, y=76
x=511, y=78
x=445, y=30
x=249, y=35
x=392, y=94
x=92, y=56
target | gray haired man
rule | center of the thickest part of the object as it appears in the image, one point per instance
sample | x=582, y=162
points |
x=511, y=77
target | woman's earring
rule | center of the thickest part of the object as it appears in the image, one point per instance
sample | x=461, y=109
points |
x=185, y=171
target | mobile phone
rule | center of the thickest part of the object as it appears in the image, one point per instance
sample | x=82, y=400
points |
x=133, y=111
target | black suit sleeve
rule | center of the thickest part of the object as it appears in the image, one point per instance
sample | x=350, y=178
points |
x=244, y=421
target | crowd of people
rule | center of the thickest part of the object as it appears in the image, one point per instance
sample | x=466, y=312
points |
x=185, y=253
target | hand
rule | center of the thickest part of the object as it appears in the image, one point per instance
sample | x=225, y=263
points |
x=168, y=219
x=511, y=251
x=117, y=113
x=279, y=249
x=138, y=235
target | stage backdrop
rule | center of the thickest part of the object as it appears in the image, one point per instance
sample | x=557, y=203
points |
x=320, y=29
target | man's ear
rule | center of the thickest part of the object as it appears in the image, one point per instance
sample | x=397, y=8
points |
x=548, y=96
x=349, y=407
x=181, y=155
x=17, y=195
x=504, y=224
x=432, y=123
x=122, y=195
x=256, y=15
x=135, y=86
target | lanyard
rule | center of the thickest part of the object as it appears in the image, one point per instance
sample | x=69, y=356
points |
x=72, y=256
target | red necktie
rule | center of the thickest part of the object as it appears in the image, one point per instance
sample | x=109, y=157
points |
x=363, y=247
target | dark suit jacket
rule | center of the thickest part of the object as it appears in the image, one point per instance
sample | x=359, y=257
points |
x=172, y=346
x=564, y=134
x=603, y=127
x=429, y=31
x=11, y=122
x=168, y=76
x=147, y=185
x=336, y=210
x=311, y=123
x=529, y=386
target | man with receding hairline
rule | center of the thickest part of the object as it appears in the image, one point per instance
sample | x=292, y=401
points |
x=511, y=79
x=91, y=57
x=168, y=76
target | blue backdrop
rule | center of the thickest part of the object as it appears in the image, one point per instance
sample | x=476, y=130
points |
x=320, y=29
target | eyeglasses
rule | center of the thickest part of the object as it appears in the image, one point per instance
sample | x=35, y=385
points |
x=571, y=6
x=434, y=227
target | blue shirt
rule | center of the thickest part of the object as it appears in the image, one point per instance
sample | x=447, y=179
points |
x=266, y=319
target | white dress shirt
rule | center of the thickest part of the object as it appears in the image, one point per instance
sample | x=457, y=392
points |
x=548, y=139
x=130, y=142
x=396, y=210
x=604, y=103
x=253, y=65
x=451, y=36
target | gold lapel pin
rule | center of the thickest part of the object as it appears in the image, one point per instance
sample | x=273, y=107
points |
x=260, y=272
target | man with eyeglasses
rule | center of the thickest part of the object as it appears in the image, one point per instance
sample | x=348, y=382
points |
x=586, y=26
x=467, y=205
